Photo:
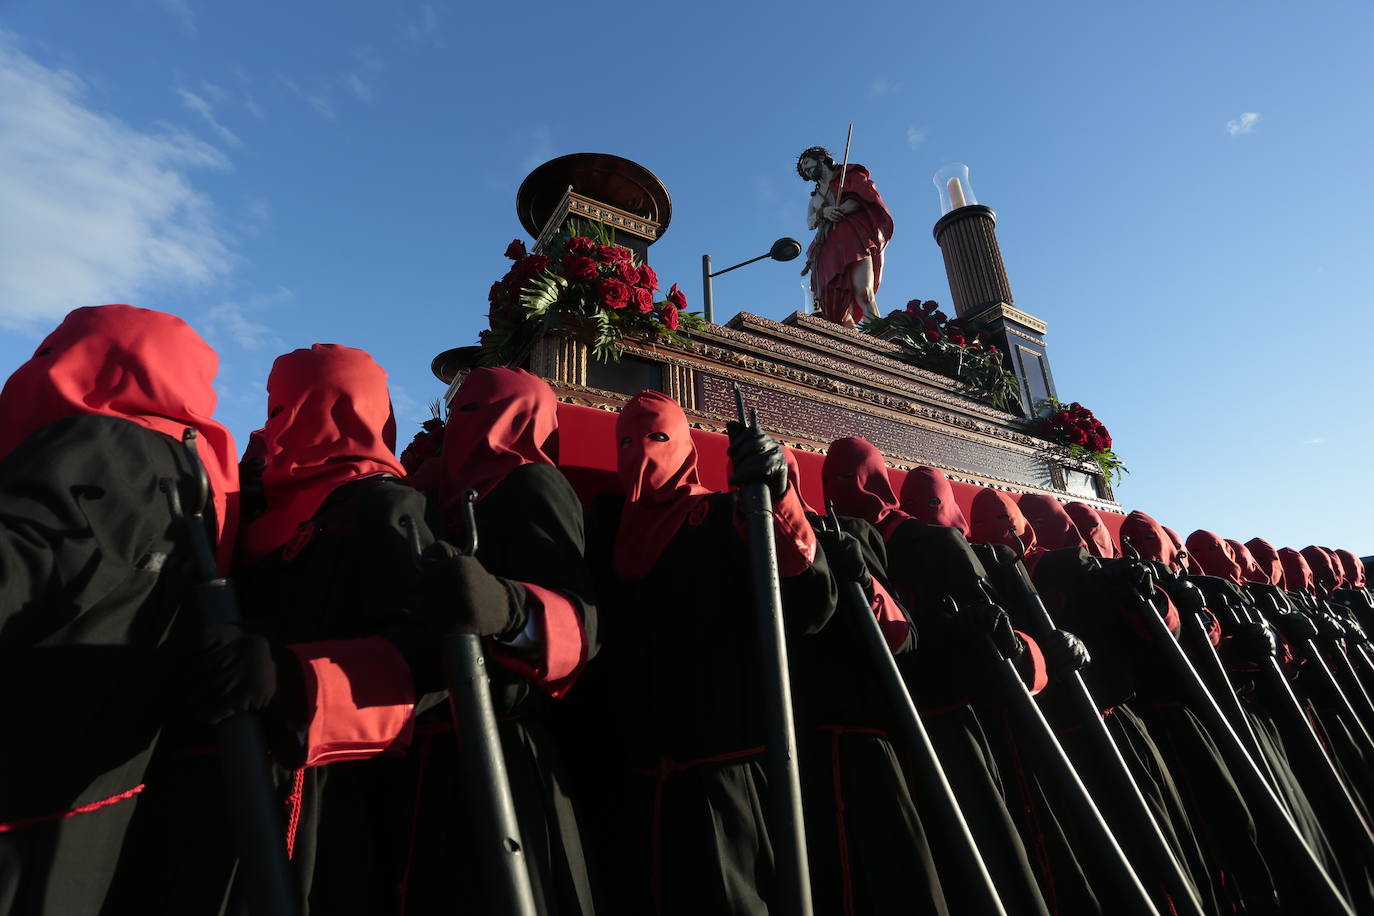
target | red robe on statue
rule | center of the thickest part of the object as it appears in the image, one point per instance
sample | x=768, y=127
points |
x=832, y=255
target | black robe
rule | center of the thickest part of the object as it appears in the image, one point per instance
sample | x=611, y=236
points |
x=94, y=572
x=943, y=678
x=671, y=725
x=866, y=844
x=529, y=529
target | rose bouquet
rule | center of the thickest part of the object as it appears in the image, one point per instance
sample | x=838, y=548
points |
x=932, y=340
x=580, y=277
x=1081, y=434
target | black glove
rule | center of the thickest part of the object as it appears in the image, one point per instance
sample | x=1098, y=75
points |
x=232, y=671
x=977, y=619
x=1253, y=642
x=459, y=596
x=1297, y=626
x=1329, y=627
x=845, y=556
x=755, y=458
x=1065, y=652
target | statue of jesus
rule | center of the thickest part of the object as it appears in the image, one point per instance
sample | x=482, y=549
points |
x=852, y=226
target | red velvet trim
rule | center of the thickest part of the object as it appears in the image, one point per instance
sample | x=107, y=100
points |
x=1040, y=675
x=560, y=650
x=294, y=802
x=361, y=696
x=896, y=628
x=79, y=809
x=796, y=541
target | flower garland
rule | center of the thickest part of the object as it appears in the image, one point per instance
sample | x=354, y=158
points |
x=580, y=275
x=426, y=444
x=932, y=340
x=1081, y=435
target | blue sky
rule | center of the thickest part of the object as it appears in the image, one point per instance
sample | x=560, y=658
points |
x=1183, y=191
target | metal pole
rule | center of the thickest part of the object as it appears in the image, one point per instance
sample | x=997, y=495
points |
x=974, y=878
x=254, y=811
x=784, y=778
x=1144, y=838
x=706, y=297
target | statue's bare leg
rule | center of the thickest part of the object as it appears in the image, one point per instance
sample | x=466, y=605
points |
x=861, y=280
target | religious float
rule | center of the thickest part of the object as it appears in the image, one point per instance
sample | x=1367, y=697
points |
x=970, y=394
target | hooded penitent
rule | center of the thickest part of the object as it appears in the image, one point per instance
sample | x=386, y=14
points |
x=1182, y=555
x=794, y=475
x=1353, y=569
x=1324, y=570
x=1250, y=569
x=1054, y=529
x=1214, y=556
x=1297, y=575
x=1149, y=539
x=657, y=463
x=1092, y=530
x=1266, y=556
x=144, y=366
x=329, y=422
x=856, y=481
x=929, y=496
x=994, y=517
x=499, y=419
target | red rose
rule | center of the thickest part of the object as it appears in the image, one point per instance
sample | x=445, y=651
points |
x=612, y=293
x=1095, y=443
x=929, y=325
x=515, y=250
x=530, y=265
x=931, y=336
x=495, y=291
x=940, y=316
x=669, y=318
x=1062, y=419
x=957, y=339
x=433, y=425
x=627, y=273
x=913, y=307
x=643, y=299
x=578, y=267
x=1106, y=443
x=1078, y=437
x=579, y=245
x=929, y=305
x=1075, y=406
x=612, y=254
x=677, y=297
x=647, y=278
x=992, y=348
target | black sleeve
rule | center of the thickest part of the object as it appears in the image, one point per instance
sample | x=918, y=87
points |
x=80, y=514
x=531, y=529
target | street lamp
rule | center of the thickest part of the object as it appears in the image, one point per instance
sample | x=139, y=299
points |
x=783, y=250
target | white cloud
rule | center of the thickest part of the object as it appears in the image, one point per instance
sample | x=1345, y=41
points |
x=181, y=12
x=1245, y=124
x=318, y=99
x=424, y=27
x=362, y=90
x=1317, y=441
x=203, y=108
x=914, y=137
x=234, y=321
x=92, y=209
x=253, y=107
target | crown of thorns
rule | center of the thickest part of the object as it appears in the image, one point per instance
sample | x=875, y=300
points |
x=815, y=152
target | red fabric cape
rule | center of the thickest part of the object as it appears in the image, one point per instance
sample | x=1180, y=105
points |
x=859, y=235
x=994, y=514
x=1297, y=575
x=329, y=422
x=1214, y=556
x=657, y=463
x=144, y=366
x=1054, y=528
x=1266, y=555
x=928, y=495
x=498, y=420
x=1149, y=539
x=855, y=479
x=1353, y=569
x=1092, y=530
